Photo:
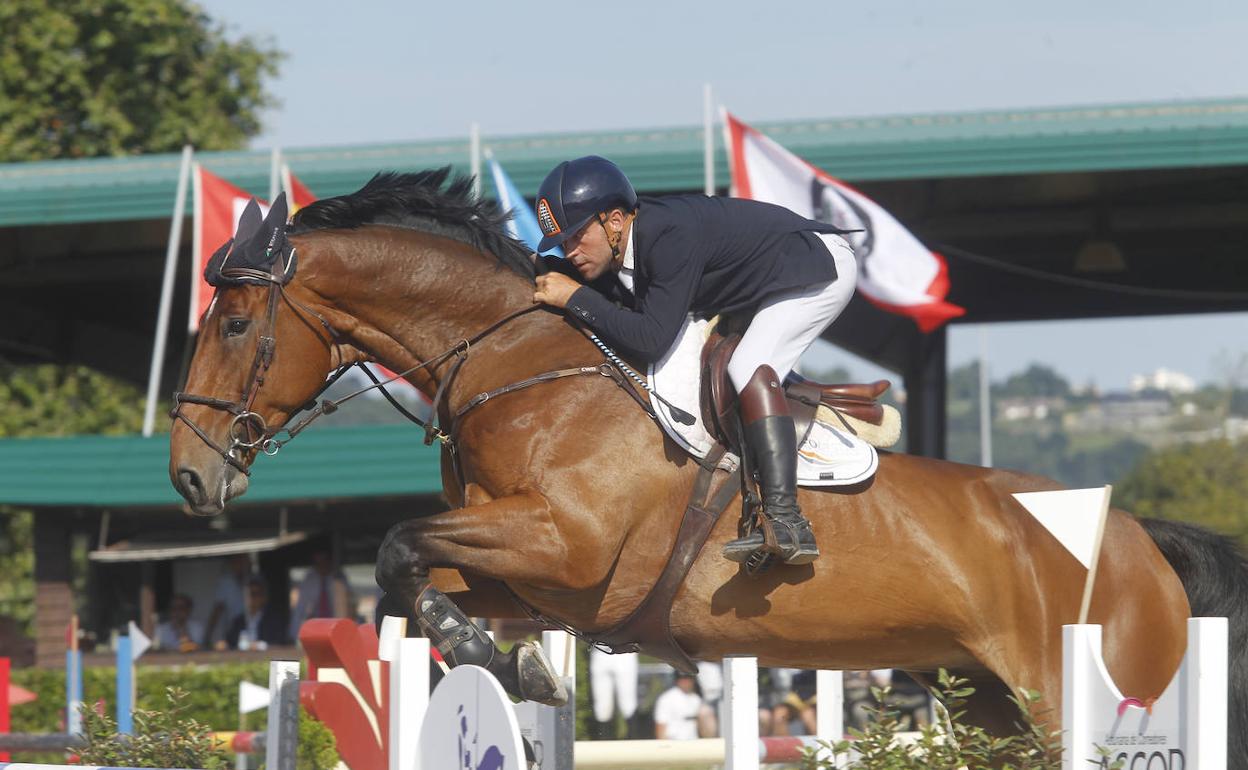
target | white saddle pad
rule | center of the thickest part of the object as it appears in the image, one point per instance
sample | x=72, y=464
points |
x=829, y=456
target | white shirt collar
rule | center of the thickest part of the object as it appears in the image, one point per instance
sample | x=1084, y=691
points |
x=628, y=250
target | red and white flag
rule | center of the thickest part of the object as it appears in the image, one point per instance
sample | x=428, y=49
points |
x=218, y=207
x=895, y=271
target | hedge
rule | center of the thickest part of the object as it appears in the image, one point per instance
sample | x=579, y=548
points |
x=212, y=693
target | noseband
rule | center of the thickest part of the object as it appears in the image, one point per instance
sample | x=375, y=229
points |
x=248, y=430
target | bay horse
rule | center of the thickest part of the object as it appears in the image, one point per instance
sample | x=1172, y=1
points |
x=571, y=495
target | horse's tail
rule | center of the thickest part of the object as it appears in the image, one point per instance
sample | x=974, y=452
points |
x=1214, y=572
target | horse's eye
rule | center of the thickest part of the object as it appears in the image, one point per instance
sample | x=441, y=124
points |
x=236, y=326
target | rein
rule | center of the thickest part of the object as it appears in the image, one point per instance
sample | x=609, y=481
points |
x=248, y=430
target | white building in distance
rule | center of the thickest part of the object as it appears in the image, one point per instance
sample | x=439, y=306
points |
x=1164, y=380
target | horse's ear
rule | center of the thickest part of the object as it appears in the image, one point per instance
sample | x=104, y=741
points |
x=278, y=251
x=278, y=214
x=250, y=222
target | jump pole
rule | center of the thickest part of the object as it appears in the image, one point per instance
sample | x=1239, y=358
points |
x=740, y=728
x=282, y=735
x=73, y=681
x=4, y=702
x=409, y=690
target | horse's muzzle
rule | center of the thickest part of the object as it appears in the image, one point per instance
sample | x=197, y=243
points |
x=207, y=496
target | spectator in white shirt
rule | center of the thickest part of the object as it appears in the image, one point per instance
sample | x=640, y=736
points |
x=679, y=711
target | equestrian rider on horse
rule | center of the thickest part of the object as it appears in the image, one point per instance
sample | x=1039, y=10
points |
x=636, y=267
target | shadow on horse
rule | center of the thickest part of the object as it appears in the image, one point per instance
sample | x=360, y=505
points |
x=566, y=496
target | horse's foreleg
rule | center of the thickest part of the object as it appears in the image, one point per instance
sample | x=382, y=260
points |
x=403, y=572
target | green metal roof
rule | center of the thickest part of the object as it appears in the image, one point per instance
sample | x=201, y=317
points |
x=325, y=463
x=1138, y=136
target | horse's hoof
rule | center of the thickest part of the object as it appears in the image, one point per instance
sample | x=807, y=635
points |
x=536, y=676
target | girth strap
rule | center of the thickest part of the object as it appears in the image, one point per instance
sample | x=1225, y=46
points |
x=649, y=627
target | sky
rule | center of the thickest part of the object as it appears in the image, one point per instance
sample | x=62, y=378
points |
x=391, y=71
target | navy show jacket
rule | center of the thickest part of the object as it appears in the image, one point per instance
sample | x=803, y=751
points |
x=702, y=254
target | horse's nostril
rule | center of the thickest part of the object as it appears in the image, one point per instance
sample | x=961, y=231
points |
x=192, y=487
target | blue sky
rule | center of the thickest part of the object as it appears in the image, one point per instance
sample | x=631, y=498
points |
x=385, y=70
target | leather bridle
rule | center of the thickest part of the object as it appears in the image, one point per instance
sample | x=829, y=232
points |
x=245, y=420
x=249, y=432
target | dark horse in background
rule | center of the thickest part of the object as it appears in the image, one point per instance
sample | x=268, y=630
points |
x=571, y=495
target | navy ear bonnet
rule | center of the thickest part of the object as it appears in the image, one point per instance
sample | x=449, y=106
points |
x=259, y=246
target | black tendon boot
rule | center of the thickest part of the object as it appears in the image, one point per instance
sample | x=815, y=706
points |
x=524, y=672
x=771, y=440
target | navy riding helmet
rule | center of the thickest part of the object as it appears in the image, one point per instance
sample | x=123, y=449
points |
x=577, y=191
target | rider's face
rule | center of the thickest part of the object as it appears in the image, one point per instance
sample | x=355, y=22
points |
x=588, y=248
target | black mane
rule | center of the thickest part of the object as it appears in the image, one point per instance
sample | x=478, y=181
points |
x=422, y=201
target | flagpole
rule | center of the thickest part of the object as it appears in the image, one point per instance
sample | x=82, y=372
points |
x=166, y=292
x=708, y=141
x=275, y=173
x=985, y=401
x=474, y=158
x=1086, y=604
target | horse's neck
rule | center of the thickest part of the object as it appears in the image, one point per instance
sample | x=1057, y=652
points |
x=425, y=295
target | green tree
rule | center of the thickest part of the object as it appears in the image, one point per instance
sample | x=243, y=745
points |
x=51, y=400
x=1038, y=381
x=88, y=78
x=1205, y=484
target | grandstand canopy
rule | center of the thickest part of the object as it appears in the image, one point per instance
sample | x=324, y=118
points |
x=325, y=464
x=1056, y=213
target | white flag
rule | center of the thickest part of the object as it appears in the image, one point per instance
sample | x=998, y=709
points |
x=1073, y=516
x=895, y=271
x=252, y=697
x=139, y=641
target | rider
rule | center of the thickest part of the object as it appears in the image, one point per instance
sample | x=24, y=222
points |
x=636, y=266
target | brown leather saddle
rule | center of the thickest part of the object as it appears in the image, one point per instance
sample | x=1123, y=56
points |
x=719, y=397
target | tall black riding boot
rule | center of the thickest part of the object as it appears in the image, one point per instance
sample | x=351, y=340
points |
x=772, y=442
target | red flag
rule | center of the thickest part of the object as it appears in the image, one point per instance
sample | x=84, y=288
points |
x=218, y=206
x=896, y=272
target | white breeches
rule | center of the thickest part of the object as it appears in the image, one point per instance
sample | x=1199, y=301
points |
x=788, y=322
x=613, y=680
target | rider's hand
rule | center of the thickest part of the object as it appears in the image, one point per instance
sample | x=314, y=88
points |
x=555, y=289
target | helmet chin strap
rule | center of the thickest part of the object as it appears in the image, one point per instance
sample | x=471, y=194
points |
x=613, y=239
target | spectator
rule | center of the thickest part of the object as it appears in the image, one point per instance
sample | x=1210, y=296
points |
x=906, y=696
x=260, y=624
x=323, y=593
x=679, y=711
x=858, y=698
x=228, y=599
x=613, y=684
x=711, y=685
x=797, y=705
x=179, y=633
x=773, y=686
